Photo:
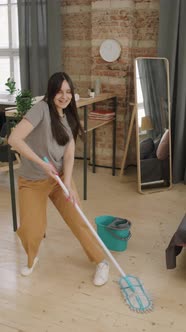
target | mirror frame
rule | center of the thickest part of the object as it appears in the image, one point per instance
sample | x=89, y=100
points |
x=152, y=190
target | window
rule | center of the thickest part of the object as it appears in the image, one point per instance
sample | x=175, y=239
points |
x=141, y=111
x=9, y=44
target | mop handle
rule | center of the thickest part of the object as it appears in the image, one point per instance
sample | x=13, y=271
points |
x=91, y=228
x=89, y=225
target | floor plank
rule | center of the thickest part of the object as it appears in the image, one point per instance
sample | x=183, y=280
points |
x=60, y=296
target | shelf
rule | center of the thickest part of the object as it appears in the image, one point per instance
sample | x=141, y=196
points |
x=91, y=100
x=93, y=124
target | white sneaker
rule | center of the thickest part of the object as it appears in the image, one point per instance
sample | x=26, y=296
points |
x=26, y=271
x=102, y=273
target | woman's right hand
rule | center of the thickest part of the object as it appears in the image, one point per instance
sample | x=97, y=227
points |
x=49, y=169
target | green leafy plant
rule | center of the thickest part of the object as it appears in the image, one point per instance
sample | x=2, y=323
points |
x=11, y=84
x=24, y=102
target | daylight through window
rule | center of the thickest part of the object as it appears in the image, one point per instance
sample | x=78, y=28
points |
x=9, y=44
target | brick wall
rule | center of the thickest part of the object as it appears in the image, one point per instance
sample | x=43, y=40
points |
x=85, y=24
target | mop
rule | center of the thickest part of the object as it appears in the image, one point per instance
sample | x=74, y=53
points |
x=131, y=288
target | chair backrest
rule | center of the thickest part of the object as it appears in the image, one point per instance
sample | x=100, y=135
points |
x=4, y=165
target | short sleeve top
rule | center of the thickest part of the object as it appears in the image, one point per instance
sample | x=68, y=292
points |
x=42, y=142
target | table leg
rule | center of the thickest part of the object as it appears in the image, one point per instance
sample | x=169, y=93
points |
x=85, y=156
x=114, y=139
x=12, y=190
x=94, y=145
x=94, y=151
x=12, y=186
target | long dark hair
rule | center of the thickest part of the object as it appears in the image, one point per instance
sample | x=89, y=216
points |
x=58, y=130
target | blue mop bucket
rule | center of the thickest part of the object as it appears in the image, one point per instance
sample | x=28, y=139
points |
x=114, y=232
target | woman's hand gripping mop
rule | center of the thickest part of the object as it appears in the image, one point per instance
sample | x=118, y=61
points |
x=131, y=287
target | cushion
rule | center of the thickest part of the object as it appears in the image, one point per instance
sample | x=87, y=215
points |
x=162, y=152
x=146, y=148
x=156, y=143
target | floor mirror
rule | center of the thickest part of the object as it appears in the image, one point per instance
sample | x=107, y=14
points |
x=153, y=130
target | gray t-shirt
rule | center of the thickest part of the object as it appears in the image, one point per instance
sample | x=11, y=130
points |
x=41, y=141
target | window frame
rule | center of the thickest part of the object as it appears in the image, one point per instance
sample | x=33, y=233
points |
x=9, y=52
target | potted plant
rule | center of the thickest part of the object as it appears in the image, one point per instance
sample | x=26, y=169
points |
x=24, y=102
x=11, y=87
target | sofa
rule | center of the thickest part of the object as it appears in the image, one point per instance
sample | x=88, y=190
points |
x=154, y=159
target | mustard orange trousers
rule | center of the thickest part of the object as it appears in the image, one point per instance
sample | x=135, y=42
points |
x=33, y=196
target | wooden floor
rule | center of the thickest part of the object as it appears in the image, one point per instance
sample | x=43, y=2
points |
x=59, y=295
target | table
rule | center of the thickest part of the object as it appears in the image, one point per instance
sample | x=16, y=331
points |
x=89, y=126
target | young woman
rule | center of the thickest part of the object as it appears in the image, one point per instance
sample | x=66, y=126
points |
x=50, y=129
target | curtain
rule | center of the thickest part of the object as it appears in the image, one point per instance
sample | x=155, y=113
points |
x=153, y=78
x=39, y=43
x=172, y=45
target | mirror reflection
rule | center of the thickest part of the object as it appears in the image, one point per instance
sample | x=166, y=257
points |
x=153, y=124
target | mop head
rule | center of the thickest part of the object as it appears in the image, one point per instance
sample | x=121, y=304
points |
x=134, y=294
